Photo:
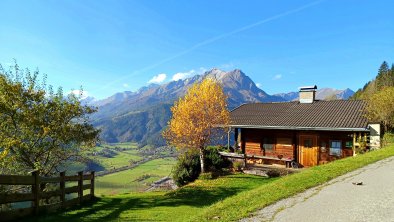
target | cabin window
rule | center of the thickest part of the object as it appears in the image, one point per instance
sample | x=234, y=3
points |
x=349, y=144
x=335, y=147
x=268, y=144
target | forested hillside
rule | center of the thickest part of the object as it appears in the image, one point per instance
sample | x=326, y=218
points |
x=384, y=78
x=379, y=94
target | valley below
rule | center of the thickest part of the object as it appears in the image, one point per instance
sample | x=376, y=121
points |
x=126, y=167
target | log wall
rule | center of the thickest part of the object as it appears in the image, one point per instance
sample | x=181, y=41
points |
x=286, y=143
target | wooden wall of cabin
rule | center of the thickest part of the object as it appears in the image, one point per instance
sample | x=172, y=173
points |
x=324, y=141
x=283, y=142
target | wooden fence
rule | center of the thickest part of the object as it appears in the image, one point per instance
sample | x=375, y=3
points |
x=37, y=182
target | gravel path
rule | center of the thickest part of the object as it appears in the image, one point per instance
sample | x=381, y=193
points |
x=340, y=199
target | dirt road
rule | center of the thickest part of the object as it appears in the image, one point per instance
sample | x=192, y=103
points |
x=340, y=199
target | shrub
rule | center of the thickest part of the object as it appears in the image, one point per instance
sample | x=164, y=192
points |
x=187, y=168
x=388, y=138
x=237, y=165
x=206, y=176
x=213, y=161
x=273, y=173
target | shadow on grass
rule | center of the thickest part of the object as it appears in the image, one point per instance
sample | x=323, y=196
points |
x=110, y=208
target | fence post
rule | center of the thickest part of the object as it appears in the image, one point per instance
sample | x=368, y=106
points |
x=62, y=188
x=92, y=186
x=80, y=184
x=35, y=189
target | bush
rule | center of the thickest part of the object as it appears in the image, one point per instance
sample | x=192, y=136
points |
x=187, y=168
x=237, y=165
x=207, y=176
x=273, y=173
x=388, y=138
x=213, y=161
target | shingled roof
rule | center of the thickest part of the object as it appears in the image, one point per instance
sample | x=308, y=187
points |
x=342, y=115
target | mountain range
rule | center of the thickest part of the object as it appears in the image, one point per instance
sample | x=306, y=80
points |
x=321, y=94
x=140, y=116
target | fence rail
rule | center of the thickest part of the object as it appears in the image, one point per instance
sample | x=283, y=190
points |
x=37, y=195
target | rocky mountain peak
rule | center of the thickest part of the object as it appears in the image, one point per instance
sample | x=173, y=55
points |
x=148, y=87
x=215, y=73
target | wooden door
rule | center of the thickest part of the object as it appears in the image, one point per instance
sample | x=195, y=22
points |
x=308, y=150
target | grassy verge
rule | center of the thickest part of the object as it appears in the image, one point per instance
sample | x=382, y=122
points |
x=243, y=204
x=179, y=205
x=227, y=198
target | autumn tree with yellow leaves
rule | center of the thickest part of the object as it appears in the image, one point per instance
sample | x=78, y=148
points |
x=197, y=117
x=380, y=107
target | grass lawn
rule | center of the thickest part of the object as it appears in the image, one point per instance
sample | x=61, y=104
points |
x=178, y=205
x=136, y=179
x=229, y=198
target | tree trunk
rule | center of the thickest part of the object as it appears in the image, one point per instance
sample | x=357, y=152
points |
x=202, y=157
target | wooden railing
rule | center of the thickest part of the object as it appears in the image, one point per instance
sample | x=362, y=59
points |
x=37, y=195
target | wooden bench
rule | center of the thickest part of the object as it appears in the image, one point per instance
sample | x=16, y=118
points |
x=243, y=156
x=285, y=160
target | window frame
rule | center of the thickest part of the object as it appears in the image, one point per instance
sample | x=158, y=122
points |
x=268, y=141
x=335, y=151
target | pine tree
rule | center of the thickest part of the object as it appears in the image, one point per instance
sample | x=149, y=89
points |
x=392, y=74
x=383, y=78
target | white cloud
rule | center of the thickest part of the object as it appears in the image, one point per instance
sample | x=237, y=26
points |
x=258, y=85
x=278, y=76
x=182, y=75
x=158, y=79
x=84, y=94
x=125, y=85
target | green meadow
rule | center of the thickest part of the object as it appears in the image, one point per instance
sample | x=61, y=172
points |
x=123, y=155
x=136, y=179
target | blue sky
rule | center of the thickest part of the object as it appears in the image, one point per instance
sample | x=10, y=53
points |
x=113, y=46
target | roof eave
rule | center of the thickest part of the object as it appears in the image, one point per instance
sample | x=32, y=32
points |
x=302, y=128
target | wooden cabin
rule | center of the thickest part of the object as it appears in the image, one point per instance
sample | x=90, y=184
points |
x=308, y=131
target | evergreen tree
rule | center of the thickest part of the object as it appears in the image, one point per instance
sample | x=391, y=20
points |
x=392, y=74
x=383, y=78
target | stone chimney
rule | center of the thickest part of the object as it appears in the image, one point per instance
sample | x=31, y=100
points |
x=307, y=94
